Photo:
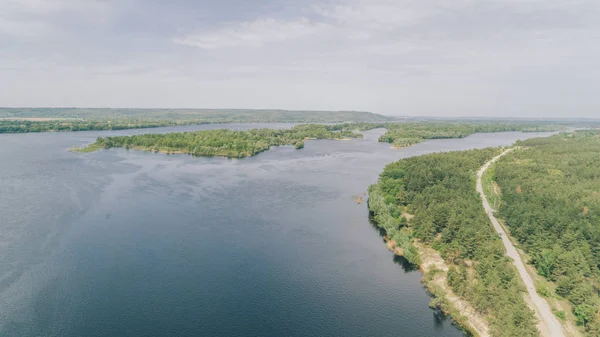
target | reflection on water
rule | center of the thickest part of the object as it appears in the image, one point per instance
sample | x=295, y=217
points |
x=406, y=266
x=399, y=260
x=382, y=233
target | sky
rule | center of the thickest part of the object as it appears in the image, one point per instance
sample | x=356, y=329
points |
x=501, y=58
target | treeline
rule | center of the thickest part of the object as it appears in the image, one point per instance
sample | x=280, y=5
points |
x=551, y=203
x=398, y=134
x=18, y=120
x=202, y=115
x=406, y=134
x=439, y=191
x=60, y=125
x=236, y=144
x=409, y=133
x=224, y=142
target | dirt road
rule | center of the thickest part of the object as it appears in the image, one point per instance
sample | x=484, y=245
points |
x=548, y=323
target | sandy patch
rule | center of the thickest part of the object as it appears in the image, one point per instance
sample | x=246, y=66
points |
x=430, y=261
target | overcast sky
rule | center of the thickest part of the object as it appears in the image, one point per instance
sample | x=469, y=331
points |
x=524, y=58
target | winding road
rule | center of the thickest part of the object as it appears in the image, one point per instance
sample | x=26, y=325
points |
x=548, y=324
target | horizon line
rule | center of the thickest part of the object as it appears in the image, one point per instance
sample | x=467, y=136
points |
x=306, y=110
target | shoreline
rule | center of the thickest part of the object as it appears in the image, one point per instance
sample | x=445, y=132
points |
x=96, y=147
x=434, y=280
x=93, y=148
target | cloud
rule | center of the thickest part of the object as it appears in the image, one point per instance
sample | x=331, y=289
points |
x=396, y=27
x=253, y=34
x=435, y=57
x=382, y=14
x=43, y=18
x=24, y=29
x=355, y=21
x=399, y=42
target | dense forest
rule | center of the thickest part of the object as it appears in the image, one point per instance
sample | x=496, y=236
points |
x=550, y=201
x=399, y=134
x=406, y=134
x=409, y=133
x=58, y=125
x=226, y=143
x=400, y=131
x=75, y=119
x=241, y=144
x=438, y=190
x=16, y=120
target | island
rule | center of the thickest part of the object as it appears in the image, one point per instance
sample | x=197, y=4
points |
x=409, y=133
x=222, y=142
x=239, y=144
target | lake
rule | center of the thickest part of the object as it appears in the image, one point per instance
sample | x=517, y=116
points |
x=130, y=243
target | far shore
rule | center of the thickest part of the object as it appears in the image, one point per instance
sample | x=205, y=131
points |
x=37, y=119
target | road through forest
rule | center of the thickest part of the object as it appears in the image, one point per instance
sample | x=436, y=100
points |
x=548, y=324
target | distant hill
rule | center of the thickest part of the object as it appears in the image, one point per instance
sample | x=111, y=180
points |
x=204, y=115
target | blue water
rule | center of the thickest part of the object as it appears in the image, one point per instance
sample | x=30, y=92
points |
x=129, y=243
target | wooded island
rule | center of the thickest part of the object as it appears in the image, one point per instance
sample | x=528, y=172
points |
x=223, y=142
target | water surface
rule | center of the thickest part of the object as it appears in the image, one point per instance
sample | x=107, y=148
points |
x=129, y=243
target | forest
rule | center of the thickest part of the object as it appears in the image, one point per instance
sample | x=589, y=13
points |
x=242, y=144
x=223, y=142
x=403, y=134
x=61, y=125
x=550, y=201
x=13, y=120
x=400, y=131
x=432, y=199
x=398, y=134
x=406, y=134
